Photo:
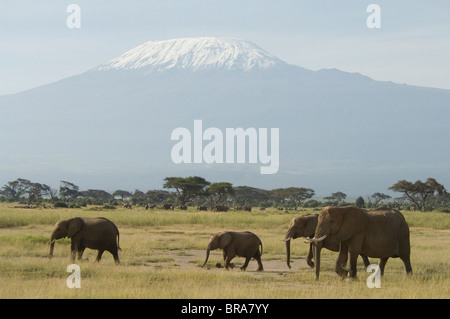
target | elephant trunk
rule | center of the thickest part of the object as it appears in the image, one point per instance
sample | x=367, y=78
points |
x=207, y=255
x=52, y=246
x=288, y=252
x=55, y=235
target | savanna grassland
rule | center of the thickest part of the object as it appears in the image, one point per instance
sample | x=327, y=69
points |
x=161, y=254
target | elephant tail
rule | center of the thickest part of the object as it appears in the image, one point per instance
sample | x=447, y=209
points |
x=118, y=237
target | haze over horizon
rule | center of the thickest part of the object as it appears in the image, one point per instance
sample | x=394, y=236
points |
x=101, y=115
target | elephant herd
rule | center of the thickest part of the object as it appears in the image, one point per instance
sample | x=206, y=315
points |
x=382, y=233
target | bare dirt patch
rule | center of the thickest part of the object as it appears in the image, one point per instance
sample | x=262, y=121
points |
x=194, y=258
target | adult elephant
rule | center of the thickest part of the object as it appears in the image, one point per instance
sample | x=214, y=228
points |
x=305, y=227
x=242, y=244
x=381, y=233
x=94, y=233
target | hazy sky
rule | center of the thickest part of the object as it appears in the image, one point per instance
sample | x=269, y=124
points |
x=412, y=46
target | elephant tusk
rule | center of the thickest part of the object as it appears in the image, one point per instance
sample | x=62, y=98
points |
x=287, y=239
x=313, y=240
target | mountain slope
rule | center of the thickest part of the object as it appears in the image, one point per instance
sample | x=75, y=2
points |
x=111, y=127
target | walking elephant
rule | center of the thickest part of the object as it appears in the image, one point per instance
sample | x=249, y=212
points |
x=242, y=244
x=94, y=233
x=305, y=226
x=380, y=233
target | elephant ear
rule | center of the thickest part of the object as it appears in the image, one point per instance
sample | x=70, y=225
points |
x=310, y=226
x=74, y=226
x=225, y=240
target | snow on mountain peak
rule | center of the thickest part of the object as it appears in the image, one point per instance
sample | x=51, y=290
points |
x=193, y=54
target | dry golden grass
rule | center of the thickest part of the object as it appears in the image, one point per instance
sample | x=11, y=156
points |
x=162, y=253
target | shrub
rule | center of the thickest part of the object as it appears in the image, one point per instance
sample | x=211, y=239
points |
x=60, y=205
x=311, y=203
x=360, y=202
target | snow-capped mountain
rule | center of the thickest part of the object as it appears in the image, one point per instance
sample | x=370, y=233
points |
x=111, y=126
x=193, y=54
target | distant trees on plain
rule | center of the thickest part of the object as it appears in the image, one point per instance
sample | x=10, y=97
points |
x=198, y=192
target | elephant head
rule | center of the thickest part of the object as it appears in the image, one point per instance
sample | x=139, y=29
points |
x=65, y=228
x=303, y=226
x=341, y=222
x=220, y=240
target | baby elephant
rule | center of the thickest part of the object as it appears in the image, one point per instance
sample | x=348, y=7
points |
x=94, y=233
x=242, y=244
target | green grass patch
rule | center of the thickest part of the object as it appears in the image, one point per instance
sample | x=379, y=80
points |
x=162, y=249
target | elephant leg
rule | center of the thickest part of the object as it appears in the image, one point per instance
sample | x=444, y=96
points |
x=73, y=254
x=365, y=260
x=309, y=258
x=244, y=266
x=224, y=257
x=353, y=260
x=342, y=260
x=80, y=252
x=260, y=265
x=99, y=255
x=73, y=250
x=115, y=255
x=382, y=264
x=228, y=259
x=407, y=263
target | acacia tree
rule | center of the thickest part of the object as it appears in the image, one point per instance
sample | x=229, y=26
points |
x=378, y=197
x=419, y=192
x=249, y=196
x=187, y=188
x=98, y=196
x=35, y=192
x=294, y=195
x=48, y=191
x=24, y=190
x=138, y=197
x=157, y=196
x=14, y=190
x=336, y=198
x=68, y=191
x=217, y=191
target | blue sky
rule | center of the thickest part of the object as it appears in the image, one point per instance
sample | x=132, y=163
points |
x=412, y=46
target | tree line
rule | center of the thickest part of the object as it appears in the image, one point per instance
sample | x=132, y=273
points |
x=196, y=191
